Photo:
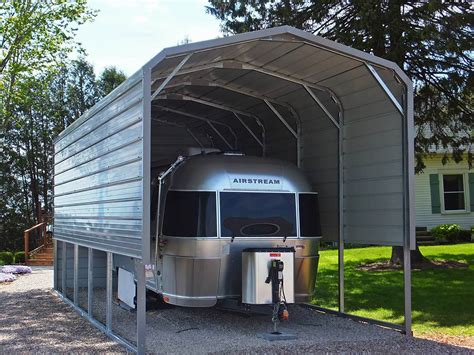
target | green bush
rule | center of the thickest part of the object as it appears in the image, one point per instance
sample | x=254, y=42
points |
x=20, y=257
x=465, y=236
x=448, y=232
x=7, y=257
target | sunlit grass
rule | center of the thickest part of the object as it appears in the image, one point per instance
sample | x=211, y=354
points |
x=443, y=299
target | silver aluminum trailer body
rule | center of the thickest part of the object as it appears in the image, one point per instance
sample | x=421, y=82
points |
x=344, y=117
x=198, y=270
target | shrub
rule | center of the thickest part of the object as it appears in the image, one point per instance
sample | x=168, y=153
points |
x=465, y=235
x=448, y=232
x=7, y=257
x=20, y=257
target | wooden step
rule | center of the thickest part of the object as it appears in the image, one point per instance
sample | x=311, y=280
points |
x=46, y=254
x=33, y=262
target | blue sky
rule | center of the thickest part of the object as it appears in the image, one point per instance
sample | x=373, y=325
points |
x=127, y=33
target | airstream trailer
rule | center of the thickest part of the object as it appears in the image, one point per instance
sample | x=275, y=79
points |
x=216, y=207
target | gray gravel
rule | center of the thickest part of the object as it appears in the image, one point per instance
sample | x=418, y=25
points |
x=34, y=319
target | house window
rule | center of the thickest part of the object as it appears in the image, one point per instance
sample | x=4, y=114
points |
x=454, y=192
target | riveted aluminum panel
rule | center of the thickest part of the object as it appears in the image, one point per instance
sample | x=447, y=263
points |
x=98, y=170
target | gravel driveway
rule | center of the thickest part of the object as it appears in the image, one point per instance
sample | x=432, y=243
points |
x=33, y=319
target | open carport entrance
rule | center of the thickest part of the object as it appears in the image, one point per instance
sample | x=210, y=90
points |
x=343, y=116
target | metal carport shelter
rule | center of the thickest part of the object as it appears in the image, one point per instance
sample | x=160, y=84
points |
x=343, y=116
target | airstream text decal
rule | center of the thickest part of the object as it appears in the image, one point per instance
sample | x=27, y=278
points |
x=259, y=183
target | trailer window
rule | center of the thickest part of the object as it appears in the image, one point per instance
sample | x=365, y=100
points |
x=190, y=214
x=309, y=215
x=245, y=214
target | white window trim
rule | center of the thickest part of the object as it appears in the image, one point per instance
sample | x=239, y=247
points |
x=465, y=177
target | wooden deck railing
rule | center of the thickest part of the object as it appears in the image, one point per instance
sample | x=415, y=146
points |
x=41, y=238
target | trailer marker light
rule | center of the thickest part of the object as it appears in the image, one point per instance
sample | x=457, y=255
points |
x=273, y=255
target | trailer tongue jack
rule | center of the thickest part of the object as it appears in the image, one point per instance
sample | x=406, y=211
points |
x=280, y=310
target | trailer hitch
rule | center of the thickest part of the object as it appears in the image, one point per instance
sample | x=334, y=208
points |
x=280, y=309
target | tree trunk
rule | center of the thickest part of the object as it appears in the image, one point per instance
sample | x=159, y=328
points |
x=397, y=256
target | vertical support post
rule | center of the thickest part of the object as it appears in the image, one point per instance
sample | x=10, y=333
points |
x=407, y=287
x=141, y=307
x=64, y=267
x=341, y=214
x=409, y=240
x=90, y=280
x=108, y=315
x=55, y=264
x=76, y=277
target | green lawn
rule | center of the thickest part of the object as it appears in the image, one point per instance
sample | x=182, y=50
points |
x=443, y=299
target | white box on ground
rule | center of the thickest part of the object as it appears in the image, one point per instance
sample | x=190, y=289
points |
x=255, y=269
x=126, y=287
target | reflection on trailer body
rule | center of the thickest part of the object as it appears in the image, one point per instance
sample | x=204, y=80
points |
x=213, y=206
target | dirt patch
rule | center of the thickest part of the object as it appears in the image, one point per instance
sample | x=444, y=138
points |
x=427, y=264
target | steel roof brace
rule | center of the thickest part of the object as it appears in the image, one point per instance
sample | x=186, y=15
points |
x=204, y=102
x=234, y=64
x=296, y=134
x=249, y=130
x=211, y=123
x=170, y=76
x=385, y=88
x=213, y=84
x=280, y=117
x=180, y=126
x=231, y=130
x=320, y=104
x=221, y=107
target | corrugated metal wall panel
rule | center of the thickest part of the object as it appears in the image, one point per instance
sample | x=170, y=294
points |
x=320, y=163
x=98, y=176
x=373, y=165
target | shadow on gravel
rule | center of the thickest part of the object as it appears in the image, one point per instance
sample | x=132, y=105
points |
x=38, y=321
